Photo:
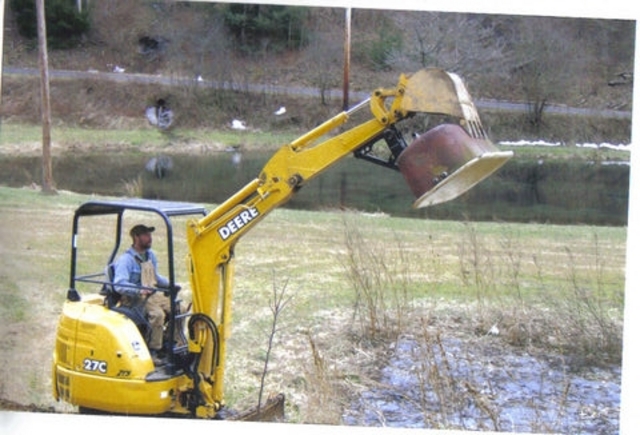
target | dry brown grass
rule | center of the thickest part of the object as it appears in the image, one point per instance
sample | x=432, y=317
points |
x=322, y=355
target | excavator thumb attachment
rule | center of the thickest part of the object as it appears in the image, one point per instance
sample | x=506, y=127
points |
x=445, y=162
x=450, y=159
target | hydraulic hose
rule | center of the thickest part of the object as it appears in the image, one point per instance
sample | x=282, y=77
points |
x=210, y=325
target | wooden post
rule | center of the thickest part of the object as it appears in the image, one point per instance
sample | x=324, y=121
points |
x=47, y=172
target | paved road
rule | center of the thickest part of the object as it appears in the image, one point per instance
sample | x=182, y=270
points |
x=294, y=90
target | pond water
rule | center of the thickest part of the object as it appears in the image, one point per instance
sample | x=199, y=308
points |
x=521, y=191
x=482, y=385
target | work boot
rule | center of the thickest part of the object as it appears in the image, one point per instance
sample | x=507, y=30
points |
x=158, y=357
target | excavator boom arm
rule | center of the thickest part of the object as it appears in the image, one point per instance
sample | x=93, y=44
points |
x=212, y=238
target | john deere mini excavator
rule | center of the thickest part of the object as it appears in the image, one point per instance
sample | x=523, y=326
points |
x=101, y=361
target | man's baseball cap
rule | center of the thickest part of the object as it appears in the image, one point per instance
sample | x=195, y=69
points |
x=141, y=229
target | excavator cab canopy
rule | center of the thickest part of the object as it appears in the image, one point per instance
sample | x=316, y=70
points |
x=119, y=208
x=160, y=207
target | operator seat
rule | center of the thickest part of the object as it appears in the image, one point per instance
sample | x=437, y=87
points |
x=112, y=301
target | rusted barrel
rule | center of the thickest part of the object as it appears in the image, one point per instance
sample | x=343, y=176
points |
x=445, y=162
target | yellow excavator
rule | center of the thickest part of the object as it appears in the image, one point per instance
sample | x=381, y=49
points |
x=101, y=362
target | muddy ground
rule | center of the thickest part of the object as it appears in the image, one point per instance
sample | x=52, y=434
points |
x=10, y=405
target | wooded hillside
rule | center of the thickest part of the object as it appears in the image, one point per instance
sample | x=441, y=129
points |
x=584, y=63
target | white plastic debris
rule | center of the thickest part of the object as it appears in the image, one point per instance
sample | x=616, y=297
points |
x=494, y=330
x=236, y=124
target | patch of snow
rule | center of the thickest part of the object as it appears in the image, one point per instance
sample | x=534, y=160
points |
x=619, y=147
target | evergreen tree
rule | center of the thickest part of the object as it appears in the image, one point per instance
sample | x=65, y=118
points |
x=257, y=27
x=65, y=24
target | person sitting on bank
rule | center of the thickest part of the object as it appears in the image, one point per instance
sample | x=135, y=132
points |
x=135, y=276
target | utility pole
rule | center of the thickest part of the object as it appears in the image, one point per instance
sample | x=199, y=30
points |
x=1, y=43
x=47, y=172
x=347, y=59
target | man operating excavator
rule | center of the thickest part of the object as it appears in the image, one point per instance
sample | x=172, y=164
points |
x=136, y=278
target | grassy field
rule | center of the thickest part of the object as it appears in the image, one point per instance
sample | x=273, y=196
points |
x=21, y=138
x=356, y=281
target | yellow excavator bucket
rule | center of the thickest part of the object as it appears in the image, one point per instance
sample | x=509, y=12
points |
x=434, y=90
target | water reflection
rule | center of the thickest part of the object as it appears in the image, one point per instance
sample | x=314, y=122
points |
x=567, y=192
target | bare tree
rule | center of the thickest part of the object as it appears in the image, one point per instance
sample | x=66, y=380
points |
x=463, y=43
x=544, y=68
x=324, y=60
x=278, y=302
x=199, y=43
